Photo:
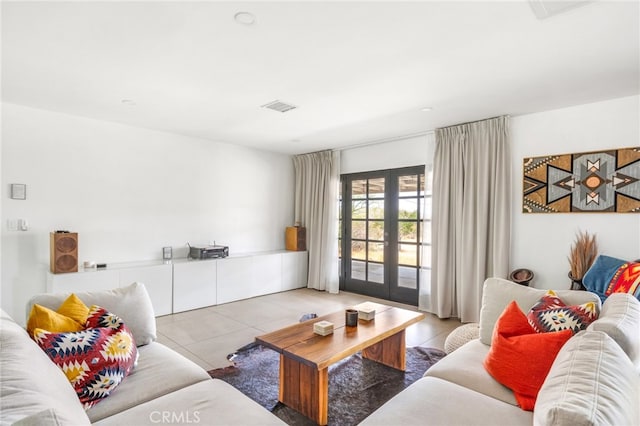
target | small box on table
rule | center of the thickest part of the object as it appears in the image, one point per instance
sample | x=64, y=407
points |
x=366, y=312
x=323, y=328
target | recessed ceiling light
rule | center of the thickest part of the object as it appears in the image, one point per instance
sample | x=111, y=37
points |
x=129, y=102
x=245, y=18
x=427, y=109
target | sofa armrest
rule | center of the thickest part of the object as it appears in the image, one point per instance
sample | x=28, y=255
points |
x=591, y=382
x=131, y=303
x=620, y=319
x=497, y=293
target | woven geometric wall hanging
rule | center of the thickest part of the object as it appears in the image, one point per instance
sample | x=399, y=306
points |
x=596, y=182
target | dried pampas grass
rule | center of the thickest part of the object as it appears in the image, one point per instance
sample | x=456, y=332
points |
x=582, y=255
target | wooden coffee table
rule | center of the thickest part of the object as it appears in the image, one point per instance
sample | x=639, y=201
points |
x=305, y=357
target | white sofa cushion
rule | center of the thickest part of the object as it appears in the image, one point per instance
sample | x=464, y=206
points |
x=131, y=303
x=47, y=417
x=591, y=382
x=160, y=371
x=32, y=388
x=435, y=401
x=464, y=367
x=620, y=319
x=212, y=402
x=497, y=293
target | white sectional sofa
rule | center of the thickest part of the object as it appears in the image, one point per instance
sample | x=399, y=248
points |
x=594, y=380
x=164, y=387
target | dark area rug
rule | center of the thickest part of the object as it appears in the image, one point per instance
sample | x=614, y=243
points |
x=357, y=386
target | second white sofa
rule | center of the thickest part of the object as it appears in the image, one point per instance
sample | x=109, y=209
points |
x=594, y=380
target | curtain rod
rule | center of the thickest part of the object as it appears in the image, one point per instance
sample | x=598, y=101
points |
x=475, y=121
x=412, y=135
x=385, y=140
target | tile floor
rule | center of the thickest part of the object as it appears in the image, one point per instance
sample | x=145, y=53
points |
x=208, y=335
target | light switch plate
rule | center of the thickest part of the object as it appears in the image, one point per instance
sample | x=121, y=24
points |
x=18, y=191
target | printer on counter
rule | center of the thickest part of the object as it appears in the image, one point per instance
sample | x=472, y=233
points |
x=208, y=252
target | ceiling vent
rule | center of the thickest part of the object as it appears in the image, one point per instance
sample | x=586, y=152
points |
x=546, y=8
x=279, y=106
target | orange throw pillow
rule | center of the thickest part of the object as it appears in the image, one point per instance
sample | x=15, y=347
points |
x=520, y=358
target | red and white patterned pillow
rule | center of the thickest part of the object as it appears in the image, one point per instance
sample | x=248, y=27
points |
x=96, y=359
x=552, y=314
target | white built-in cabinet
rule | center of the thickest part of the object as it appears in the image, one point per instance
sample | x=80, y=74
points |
x=236, y=278
x=158, y=281
x=294, y=270
x=194, y=284
x=186, y=284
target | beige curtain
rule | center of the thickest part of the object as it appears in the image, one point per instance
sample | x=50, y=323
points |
x=316, y=208
x=471, y=215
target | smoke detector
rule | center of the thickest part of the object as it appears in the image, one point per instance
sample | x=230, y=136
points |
x=245, y=18
x=279, y=106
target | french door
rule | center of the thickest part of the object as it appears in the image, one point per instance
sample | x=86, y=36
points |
x=381, y=216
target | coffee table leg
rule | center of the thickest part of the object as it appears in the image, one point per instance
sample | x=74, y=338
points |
x=390, y=351
x=304, y=388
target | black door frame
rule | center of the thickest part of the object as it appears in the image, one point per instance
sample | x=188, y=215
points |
x=390, y=290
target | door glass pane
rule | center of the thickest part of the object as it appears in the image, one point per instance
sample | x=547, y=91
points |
x=376, y=209
x=422, y=184
x=407, y=277
x=425, y=213
x=359, y=188
x=408, y=254
x=408, y=208
x=358, y=229
x=426, y=232
x=358, y=250
x=408, y=185
x=376, y=230
x=376, y=252
x=425, y=257
x=376, y=188
x=358, y=270
x=407, y=231
x=428, y=183
x=376, y=272
x=358, y=209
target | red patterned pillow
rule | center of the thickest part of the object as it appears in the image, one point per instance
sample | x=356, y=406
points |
x=95, y=360
x=625, y=280
x=520, y=358
x=552, y=314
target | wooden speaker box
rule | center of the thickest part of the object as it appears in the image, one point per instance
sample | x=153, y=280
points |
x=296, y=238
x=64, y=252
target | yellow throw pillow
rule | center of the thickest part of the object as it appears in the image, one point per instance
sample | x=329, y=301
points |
x=46, y=319
x=75, y=309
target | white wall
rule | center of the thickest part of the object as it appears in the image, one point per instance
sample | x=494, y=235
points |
x=414, y=151
x=541, y=242
x=128, y=192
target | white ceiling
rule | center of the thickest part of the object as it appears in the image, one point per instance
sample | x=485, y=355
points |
x=358, y=71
